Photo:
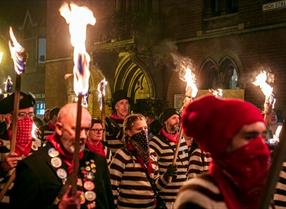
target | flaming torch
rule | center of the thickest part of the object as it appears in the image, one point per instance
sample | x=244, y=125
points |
x=19, y=57
x=268, y=93
x=185, y=74
x=101, y=95
x=78, y=18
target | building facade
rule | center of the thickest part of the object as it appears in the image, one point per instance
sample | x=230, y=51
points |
x=132, y=43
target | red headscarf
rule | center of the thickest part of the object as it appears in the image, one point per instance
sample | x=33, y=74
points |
x=240, y=174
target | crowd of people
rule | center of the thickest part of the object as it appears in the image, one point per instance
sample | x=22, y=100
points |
x=222, y=158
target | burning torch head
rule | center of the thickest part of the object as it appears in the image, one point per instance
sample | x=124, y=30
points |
x=213, y=122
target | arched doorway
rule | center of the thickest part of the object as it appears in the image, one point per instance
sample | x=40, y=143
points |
x=131, y=75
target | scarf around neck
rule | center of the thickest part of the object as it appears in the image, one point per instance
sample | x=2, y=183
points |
x=66, y=156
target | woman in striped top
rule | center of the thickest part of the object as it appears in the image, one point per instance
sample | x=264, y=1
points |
x=232, y=131
x=133, y=169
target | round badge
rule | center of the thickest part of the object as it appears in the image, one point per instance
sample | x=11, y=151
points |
x=88, y=185
x=62, y=174
x=53, y=152
x=56, y=162
x=89, y=176
x=89, y=195
x=92, y=165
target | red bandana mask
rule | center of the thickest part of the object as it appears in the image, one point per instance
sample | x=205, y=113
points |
x=24, y=136
x=247, y=169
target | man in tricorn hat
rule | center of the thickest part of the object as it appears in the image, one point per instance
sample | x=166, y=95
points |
x=165, y=144
x=114, y=123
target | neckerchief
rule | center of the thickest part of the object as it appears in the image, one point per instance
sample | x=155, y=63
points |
x=144, y=163
x=66, y=157
x=170, y=137
x=98, y=148
x=115, y=117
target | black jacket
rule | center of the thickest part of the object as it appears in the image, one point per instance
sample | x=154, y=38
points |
x=37, y=184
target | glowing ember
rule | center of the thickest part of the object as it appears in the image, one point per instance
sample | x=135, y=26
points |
x=101, y=91
x=78, y=18
x=217, y=92
x=18, y=54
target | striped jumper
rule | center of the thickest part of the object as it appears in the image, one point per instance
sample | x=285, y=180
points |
x=280, y=193
x=165, y=150
x=198, y=163
x=114, y=134
x=200, y=193
x=130, y=186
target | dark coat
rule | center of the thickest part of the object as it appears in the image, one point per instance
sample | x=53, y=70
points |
x=37, y=184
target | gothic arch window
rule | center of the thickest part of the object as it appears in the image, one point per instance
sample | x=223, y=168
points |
x=208, y=74
x=228, y=74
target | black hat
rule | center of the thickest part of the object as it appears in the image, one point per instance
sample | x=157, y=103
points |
x=167, y=114
x=119, y=95
x=7, y=104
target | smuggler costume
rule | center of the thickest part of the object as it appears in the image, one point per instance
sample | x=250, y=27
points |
x=40, y=177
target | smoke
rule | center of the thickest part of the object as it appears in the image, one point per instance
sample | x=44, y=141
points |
x=166, y=54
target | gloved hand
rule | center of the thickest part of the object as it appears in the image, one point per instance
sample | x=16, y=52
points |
x=171, y=170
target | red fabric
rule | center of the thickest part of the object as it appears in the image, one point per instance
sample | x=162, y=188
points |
x=213, y=123
x=51, y=126
x=147, y=165
x=65, y=156
x=24, y=136
x=242, y=173
x=172, y=137
x=115, y=117
x=97, y=148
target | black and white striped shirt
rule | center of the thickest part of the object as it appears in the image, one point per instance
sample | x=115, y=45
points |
x=114, y=135
x=280, y=193
x=198, y=163
x=165, y=150
x=130, y=185
x=200, y=193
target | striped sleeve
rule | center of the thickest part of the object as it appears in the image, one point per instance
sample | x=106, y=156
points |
x=280, y=193
x=198, y=163
x=201, y=192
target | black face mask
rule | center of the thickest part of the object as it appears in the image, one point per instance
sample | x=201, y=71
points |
x=140, y=143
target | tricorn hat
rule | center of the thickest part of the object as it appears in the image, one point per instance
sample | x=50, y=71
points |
x=7, y=104
x=119, y=95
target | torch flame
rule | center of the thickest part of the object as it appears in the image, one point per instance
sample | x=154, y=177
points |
x=217, y=92
x=261, y=82
x=78, y=18
x=18, y=53
x=101, y=91
x=189, y=77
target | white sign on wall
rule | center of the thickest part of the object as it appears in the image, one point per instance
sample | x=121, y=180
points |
x=274, y=5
